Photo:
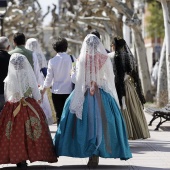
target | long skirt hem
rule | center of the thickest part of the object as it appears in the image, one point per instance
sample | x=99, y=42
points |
x=24, y=134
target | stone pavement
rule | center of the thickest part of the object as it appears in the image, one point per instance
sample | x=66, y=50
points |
x=149, y=154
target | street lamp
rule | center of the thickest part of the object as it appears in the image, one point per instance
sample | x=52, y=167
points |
x=3, y=6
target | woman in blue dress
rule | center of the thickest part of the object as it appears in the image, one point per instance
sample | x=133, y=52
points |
x=91, y=124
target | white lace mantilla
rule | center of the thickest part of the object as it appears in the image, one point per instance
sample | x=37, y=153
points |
x=20, y=78
x=33, y=45
x=93, y=65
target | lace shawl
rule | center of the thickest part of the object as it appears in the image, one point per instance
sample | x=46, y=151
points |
x=20, y=79
x=33, y=45
x=126, y=63
x=93, y=65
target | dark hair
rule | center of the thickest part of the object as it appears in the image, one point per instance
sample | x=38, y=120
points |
x=60, y=45
x=19, y=38
x=96, y=33
x=118, y=42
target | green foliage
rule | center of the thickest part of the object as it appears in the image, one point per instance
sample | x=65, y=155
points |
x=153, y=1
x=155, y=22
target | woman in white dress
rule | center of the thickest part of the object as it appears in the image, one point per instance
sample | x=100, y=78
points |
x=33, y=45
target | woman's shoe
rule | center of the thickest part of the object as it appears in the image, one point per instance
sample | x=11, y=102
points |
x=93, y=161
x=22, y=164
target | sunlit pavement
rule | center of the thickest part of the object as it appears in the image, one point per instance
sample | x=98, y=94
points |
x=149, y=154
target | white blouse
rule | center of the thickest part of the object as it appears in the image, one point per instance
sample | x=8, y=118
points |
x=58, y=74
x=111, y=56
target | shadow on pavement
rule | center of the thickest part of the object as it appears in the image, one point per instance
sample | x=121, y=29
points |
x=84, y=167
x=149, y=145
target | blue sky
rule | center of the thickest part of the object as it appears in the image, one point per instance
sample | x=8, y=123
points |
x=44, y=4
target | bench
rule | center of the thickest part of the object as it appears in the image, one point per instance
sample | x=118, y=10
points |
x=162, y=113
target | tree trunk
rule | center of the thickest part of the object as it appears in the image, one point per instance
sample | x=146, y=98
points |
x=142, y=61
x=120, y=25
x=166, y=15
x=162, y=94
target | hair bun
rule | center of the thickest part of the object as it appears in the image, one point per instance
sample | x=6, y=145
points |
x=119, y=42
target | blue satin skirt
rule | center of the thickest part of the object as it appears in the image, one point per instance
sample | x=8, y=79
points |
x=101, y=131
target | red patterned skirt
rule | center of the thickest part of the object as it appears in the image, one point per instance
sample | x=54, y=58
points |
x=24, y=134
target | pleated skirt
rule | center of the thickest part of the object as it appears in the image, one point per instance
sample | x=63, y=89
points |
x=25, y=135
x=134, y=116
x=101, y=131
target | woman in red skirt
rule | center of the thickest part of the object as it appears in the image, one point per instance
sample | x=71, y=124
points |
x=24, y=133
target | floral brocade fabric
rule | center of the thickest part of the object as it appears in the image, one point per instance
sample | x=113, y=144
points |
x=25, y=136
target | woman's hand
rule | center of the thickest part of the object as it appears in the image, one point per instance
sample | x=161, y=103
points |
x=123, y=103
x=42, y=91
x=92, y=88
x=39, y=101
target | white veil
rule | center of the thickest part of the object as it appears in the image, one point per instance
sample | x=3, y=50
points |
x=20, y=78
x=33, y=45
x=39, y=63
x=93, y=65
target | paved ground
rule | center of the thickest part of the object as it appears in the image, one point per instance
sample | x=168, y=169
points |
x=149, y=154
